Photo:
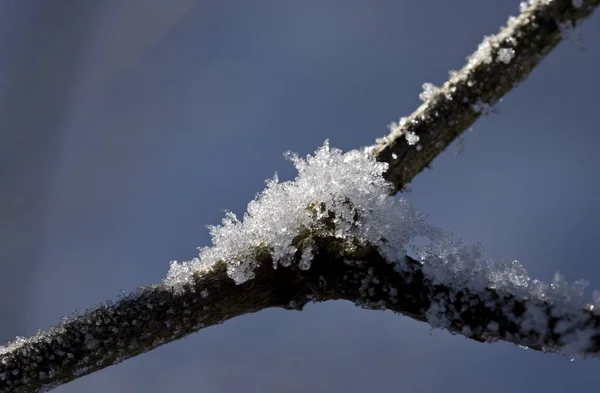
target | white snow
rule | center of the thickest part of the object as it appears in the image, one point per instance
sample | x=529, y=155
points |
x=411, y=138
x=347, y=183
x=483, y=53
x=396, y=128
x=343, y=184
x=526, y=4
x=429, y=90
x=505, y=55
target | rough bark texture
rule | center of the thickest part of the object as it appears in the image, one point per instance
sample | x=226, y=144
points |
x=154, y=315
x=454, y=108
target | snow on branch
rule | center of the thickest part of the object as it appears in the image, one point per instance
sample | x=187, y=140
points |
x=336, y=232
x=500, y=63
x=333, y=233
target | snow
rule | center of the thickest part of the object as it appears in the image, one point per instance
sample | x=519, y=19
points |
x=349, y=191
x=459, y=266
x=328, y=181
x=505, y=55
x=397, y=128
x=411, y=138
x=524, y=5
x=483, y=54
x=429, y=90
x=347, y=183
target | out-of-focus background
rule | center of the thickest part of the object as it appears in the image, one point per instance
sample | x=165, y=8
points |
x=127, y=126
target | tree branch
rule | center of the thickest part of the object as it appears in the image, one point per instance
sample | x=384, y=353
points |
x=155, y=315
x=477, y=86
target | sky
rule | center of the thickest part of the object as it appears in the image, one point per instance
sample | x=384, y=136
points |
x=127, y=127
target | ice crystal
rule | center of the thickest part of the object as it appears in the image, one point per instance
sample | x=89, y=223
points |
x=398, y=129
x=429, y=90
x=411, y=138
x=450, y=262
x=349, y=189
x=524, y=5
x=328, y=182
x=505, y=55
x=483, y=53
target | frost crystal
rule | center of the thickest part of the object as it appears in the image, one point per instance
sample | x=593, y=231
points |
x=450, y=262
x=523, y=6
x=526, y=4
x=505, y=55
x=484, y=51
x=397, y=129
x=328, y=182
x=429, y=90
x=348, y=189
x=412, y=138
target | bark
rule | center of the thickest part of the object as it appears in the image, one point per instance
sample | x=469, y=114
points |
x=454, y=108
x=154, y=315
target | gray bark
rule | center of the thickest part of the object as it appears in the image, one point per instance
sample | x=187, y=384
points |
x=154, y=315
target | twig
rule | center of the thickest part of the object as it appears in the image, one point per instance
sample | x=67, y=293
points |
x=486, y=78
x=154, y=315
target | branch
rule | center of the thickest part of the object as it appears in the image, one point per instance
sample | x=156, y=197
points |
x=155, y=315
x=484, y=80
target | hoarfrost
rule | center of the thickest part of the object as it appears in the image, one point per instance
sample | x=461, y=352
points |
x=328, y=181
x=505, y=55
x=397, y=129
x=429, y=90
x=450, y=262
x=412, y=138
x=484, y=51
x=523, y=6
x=526, y=4
x=349, y=190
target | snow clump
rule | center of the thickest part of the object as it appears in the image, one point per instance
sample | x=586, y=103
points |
x=344, y=183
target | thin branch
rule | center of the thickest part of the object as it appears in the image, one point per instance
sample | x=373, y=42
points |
x=155, y=315
x=484, y=80
x=111, y=333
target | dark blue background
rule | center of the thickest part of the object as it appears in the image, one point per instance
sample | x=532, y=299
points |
x=127, y=126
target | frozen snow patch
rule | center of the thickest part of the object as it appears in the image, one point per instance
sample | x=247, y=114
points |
x=283, y=218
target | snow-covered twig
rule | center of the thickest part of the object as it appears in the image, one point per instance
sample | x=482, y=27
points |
x=500, y=63
x=342, y=236
x=153, y=316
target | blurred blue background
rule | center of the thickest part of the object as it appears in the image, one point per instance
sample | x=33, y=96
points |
x=127, y=126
